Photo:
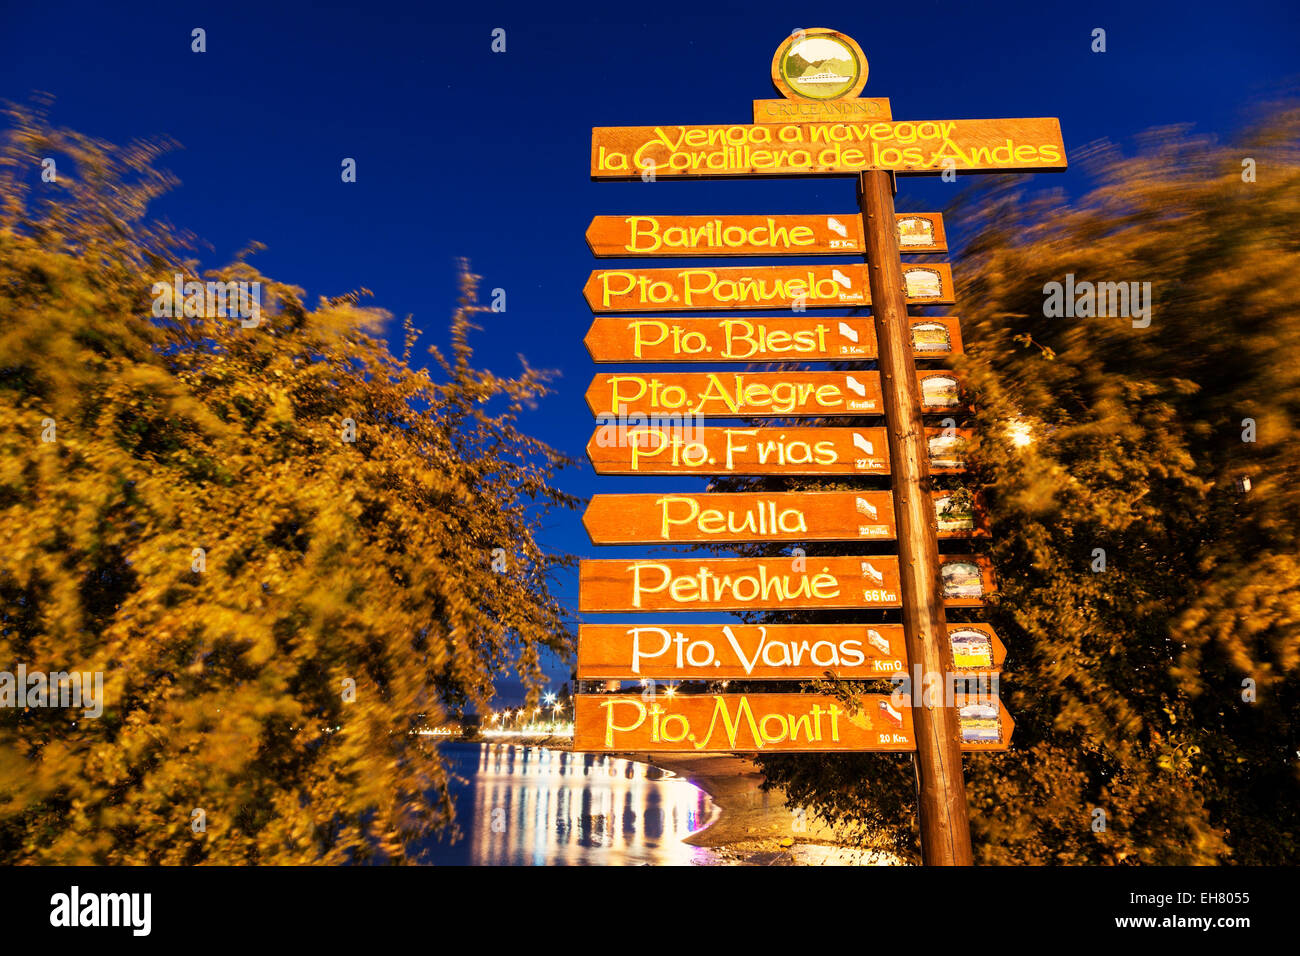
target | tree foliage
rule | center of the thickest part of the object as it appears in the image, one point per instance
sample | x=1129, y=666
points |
x=322, y=559
x=1132, y=686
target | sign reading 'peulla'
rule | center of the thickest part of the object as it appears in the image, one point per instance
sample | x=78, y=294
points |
x=759, y=516
x=827, y=149
x=753, y=722
x=767, y=651
x=754, y=235
x=755, y=287
x=757, y=338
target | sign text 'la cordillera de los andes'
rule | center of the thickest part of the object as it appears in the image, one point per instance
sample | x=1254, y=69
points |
x=648, y=422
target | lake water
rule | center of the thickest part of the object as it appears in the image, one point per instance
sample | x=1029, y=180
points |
x=529, y=806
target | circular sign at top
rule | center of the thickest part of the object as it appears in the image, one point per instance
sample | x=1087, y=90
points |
x=819, y=64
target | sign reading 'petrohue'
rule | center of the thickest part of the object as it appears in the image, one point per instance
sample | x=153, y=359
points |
x=827, y=149
x=811, y=235
x=755, y=287
x=742, y=584
x=757, y=338
x=728, y=723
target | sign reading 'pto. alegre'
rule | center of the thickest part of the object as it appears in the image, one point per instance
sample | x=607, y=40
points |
x=754, y=235
x=827, y=149
x=758, y=394
x=757, y=722
x=754, y=287
x=757, y=339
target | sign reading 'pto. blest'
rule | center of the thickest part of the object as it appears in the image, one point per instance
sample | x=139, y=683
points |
x=757, y=338
x=716, y=723
x=754, y=287
x=827, y=149
x=754, y=235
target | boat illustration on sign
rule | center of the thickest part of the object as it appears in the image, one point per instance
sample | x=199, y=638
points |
x=930, y=337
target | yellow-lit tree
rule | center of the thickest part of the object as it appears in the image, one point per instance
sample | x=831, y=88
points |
x=284, y=547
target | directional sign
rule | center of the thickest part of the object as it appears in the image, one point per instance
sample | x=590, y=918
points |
x=738, y=584
x=827, y=149
x=758, y=394
x=761, y=516
x=734, y=651
x=836, y=235
x=778, y=516
x=729, y=394
x=744, y=723
x=702, y=288
x=742, y=584
x=680, y=448
x=758, y=338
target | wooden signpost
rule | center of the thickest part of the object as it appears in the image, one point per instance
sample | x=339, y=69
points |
x=713, y=723
x=754, y=235
x=709, y=652
x=648, y=424
x=705, y=288
x=773, y=338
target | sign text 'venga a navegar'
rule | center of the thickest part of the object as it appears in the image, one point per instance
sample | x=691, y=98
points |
x=827, y=149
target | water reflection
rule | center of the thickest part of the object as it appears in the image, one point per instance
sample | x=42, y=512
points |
x=533, y=806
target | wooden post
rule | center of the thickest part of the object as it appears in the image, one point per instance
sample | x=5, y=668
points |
x=941, y=790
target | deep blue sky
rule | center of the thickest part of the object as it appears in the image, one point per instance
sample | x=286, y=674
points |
x=463, y=152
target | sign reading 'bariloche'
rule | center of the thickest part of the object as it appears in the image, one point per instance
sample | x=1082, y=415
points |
x=754, y=235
